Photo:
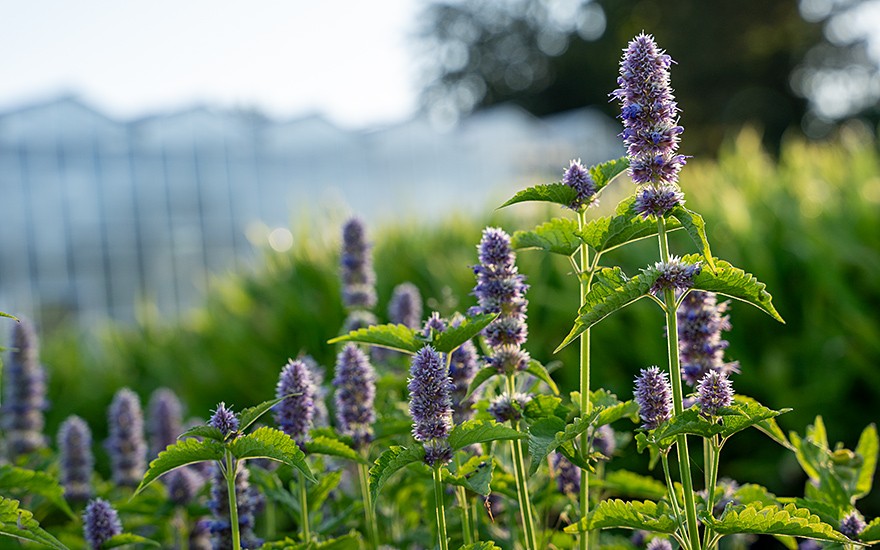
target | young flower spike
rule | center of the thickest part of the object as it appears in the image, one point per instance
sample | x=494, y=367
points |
x=431, y=405
x=24, y=394
x=164, y=420
x=126, y=444
x=100, y=523
x=657, y=201
x=852, y=525
x=568, y=476
x=462, y=369
x=674, y=274
x=356, y=267
x=701, y=320
x=355, y=383
x=653, y=393
x=224, y=420
x=405, y=307
x=509, y=408
x=77, y=463
x=714, y=391
x=578, y=178
x=295, y=413
x=183, y=484
x=434, y=323
x=649, y=113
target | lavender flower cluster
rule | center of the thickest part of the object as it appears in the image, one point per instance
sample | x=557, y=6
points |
x=701, y=320
x=295, y=413
x=24, y=394
x=355, y=383
x=430, y=391
x=578, y=178
x=356, y=267
x=126, y=443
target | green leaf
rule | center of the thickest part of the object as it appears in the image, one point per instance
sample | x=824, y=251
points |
x=695, y=226
x=482, y=375
x=605, y=172
x=734, y=419
x=867, y=449
x=604, y=300
x=396, y=337
x=624, y=483
x=209, y=432
x=323, y=445
x=351, y=541
x=543, y=406
x=558, y=193
x=647, y=515
x=20, y=524
x=558, y=236
x=475, y=475
x=871, y=532
x=273, y=444
x=486, y=545
x=128, y=538
x=607, y=233
x=769, y=426
x=735, y=283
x=481, y=431
x=30, y=482
x=608, y=415
x=454, y=336
x=252, y=414
x=541, y=443
x=185, y=451
x=390, y=462
x=537, y=370
x=773, y=520
x=542, y=440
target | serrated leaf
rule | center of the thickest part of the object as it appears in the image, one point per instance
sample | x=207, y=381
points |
x=31, y=482
x=544, y=406
x=454, y=336
x=558, y=236
x=871, y=532
x=734, y=419
x=537, y=369
x=128, y=538
x=773, y=520
x=272, y=444
x=475, y=475
x=481, y=431
x=250, y=415
x=603, y=173
x=735, y=283
x=323, y=445
x=542, y=440
x=209, y=432
x=608, y=415
x=482, y=375
x=485, y=545
x=396, y=337
x=647, y=515
x=352, y=541
x=623, y=483
x=185, y=451
x=695, y=226
x=558, y=193
x=607, y=233
x=769, y=426
x=604, y=300
x=20, y=524
x=390, y=462
x=867, y=449
x=751, y=493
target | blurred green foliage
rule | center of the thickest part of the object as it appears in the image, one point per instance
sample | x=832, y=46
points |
x=807, y=225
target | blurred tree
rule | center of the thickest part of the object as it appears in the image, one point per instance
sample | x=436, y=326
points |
x=736, y=60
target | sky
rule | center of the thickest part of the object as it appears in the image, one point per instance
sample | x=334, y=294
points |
x=348, y=60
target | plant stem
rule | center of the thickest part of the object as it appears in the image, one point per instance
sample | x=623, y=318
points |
x=522, y=488
x=441, y=513
x=673, y=497
x=182, y=527
x=231, y=472
x=467, y=527
x=369, y=517
x=585, y=404
x=304, y=505
x=714, y=454
x=684, y=460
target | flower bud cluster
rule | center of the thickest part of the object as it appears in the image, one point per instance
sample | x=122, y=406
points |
x=653, y=393
x=355, y=383
x=295, y=413
x=24, y=394
x=430, y=391
x=578, y=178
x=674, y=275
x=126, y=444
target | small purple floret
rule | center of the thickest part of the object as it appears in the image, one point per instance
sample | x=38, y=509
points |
x=658, y=201
x=578, y=178
x=355, y=383
x=674, y=275
x=653, y=393
x=434, y=323
x=100, y=523
x=852, y=525
x=714, y=391
x=224, y=420
x=295, y=413
x=509, y=408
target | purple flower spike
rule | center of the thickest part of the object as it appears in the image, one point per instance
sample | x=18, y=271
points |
x=294, y=415
x=76, y=459
x=356, y=267
x=604, y=441
x=434, y=323
x=316, y=371
x=658, y=201
x=430, y=405
x=673, y=275
x=405, y=307
x=852, y=525
x=568, y=476
x=100, y=523
x=659, y=544
x=462, y=368
x=578, y=178
x=126, y=444
x=701, y=320
x=649, y=113
x=653, y=393
x=182, y=485
x=509, y=408
x=164, y=420
x=358, y=319
x=355, y=383
x=714, y=391
x=224, y=420
x=24, y=394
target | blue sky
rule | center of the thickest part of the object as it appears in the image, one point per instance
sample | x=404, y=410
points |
x=352, y=61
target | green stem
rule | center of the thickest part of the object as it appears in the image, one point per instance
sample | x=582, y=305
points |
x=584, y=285
x=441, y=513
x=714, y=449
x=304, y=505
x=369, y=517
x=231, y=473
x=522, y=488
x=673, y=498
x=467, y=527
x=269, y=514
x=182, y=520
x=684, y=460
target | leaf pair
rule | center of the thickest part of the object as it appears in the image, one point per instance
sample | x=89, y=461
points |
x=408, y=340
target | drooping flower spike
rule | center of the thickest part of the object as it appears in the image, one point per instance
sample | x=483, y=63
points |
x=430, y=391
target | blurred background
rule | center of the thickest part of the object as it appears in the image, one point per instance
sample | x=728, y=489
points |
x=173, y=177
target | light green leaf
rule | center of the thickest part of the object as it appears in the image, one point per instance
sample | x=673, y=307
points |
x=481, y=431
x=273, y=444
x=390, y=462
x=485, y=545
x=352, y=541
x=734, y=283
x=558, y=193
x=482, y=375
x=209, y=432
x=185, y=451
x=30, y=482
x=475, y=475
x=607, y=233
x=738, y=417
x=608, y=415
x=126, y=539
x=250, y=415
x=647, y=515
x=867, y=449
x=454, y=336
x=871, y=532
x=603, y=173
x=623, y=483
x=558, y=236
x=769, y=426
x=323, y=445
x=695, y=226
x=537, y=369
x=773, y=520
x=20, y=524
x=396, y=337
x=543, y=406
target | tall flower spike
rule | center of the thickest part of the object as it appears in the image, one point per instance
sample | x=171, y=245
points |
x=355, y=383
x=462, y=369
x=714, y=391
x=100, y=523
x=653, y=394
x=356, y=267
x=294, y=415
x=701, y=320
x=126, y=444
x=430, y=404
x=578, y=178
x=76, y=459
x=24, y=394
x=224, y=420
x=405, y=307
x=649, y=113
x=221, y=532
x=164, y=420
x=852, y=525
x=568, y=476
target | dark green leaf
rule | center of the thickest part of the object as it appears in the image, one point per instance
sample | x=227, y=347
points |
x=273, y=444
x=614, y=413
x=558, y=193
x=769, y=426
x=735, y=283
x=396, y=337
x=209, y=432
x=20, y=524
x=250, y=415
x=454, y=336
x=351, y=541
x=605, y=172
x=647, y=515
x=537, y=369
x=126, y=539
x=623, y=483
x=481, y=431
x=543, y=406
x=390, y=462
x=866, y=449
x=542, y=439
x=323, y=445
x=695, y=226
x=558, y=236
x=773, y=520
x=185, y=451
x=482, y=375
x=475, y=475
x=30, y=482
